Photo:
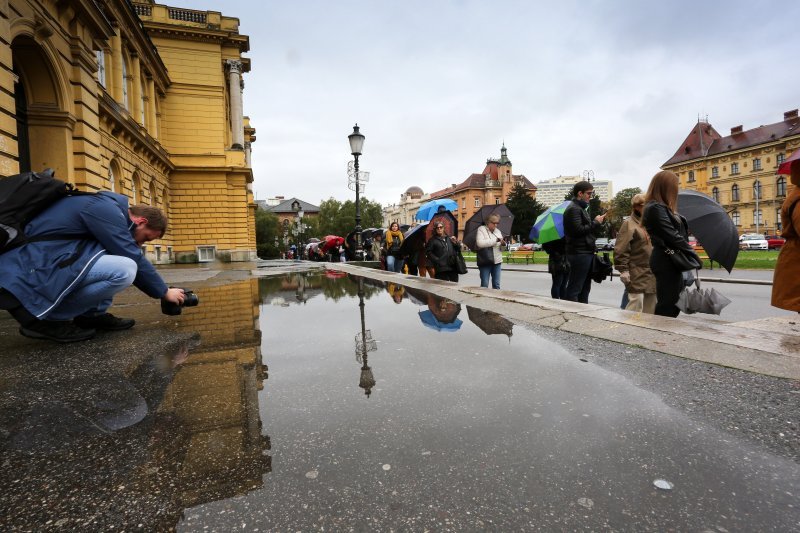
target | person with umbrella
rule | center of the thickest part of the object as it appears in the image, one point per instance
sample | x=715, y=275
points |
x=442, y=253
x=669, y=233
x=580, y=242
x=786, y=280
x=394, y=240
x=489, y=239
x=632, y=259
x=377, y=246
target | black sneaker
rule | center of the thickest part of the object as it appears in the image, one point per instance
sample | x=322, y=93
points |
x=57, y=331
x=106, y=321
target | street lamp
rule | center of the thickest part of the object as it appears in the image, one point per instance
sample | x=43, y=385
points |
x=356, y=144
x=297, y=208
x=364, y=344
x=588, y=175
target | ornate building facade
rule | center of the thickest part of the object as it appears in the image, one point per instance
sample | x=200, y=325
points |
x=404, y=211
x=139, y=98
x=492, y=186
x=738, y=170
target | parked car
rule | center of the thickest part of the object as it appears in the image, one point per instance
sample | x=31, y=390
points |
x=602, y=243
x=775, y=242
x=753, y=241
x=611, y=244
x=514, y=247
x=693, y=242
x=529, y=247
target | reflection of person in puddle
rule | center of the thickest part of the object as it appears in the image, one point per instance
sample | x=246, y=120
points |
x=396, y=291
x=446, y=311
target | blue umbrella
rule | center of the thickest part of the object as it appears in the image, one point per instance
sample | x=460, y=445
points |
x=549, y=226
x=430, y=320
x=428, y=209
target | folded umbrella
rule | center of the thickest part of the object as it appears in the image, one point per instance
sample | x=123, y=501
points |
x=699, y=300
x=549, y=226
x=428, y=209
x=479, y=219
x=711, y=225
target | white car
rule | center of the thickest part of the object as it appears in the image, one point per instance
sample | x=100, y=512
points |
x=753, y=241
x=514, y=247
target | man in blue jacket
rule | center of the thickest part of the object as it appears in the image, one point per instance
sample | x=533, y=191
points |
x=580, y=242
x=60, y=289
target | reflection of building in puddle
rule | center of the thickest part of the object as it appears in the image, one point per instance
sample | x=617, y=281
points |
x=213, y=447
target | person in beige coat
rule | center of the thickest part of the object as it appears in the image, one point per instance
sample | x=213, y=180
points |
x=786, y=279
x=489, y=241
x=632, y=260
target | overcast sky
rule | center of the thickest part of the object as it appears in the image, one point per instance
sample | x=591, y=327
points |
x=438, y=85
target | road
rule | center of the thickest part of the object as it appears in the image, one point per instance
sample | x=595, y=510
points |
x=749, y=302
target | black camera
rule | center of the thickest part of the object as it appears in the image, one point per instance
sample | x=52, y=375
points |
x=190, y=299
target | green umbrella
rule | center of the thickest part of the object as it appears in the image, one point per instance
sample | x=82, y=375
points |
x=549, y=226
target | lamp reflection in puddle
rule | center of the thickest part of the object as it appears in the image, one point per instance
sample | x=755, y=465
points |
x=364, y=344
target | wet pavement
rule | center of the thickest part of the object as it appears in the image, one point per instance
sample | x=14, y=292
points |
x=383, y=407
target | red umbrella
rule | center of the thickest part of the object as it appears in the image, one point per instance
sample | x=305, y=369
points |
x=330, y=242
x=786, y=166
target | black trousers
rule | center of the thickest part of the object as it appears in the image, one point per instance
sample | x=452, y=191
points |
x=450, y=275
x=669, y=283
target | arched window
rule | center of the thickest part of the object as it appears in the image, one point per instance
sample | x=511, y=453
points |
x=756, y=190
x=165, y=201
x=153, y=198
x=780, y=186
x=715, y=194
x=136, y=193
x=734, y=193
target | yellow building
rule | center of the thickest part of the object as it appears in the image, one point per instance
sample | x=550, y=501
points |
x=738, y=171
x=492, y=186
x=138, y=98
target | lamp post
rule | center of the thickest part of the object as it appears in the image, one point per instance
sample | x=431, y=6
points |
x=297, y=208
x=364, y=344
x=588, y=175
x=356, y=144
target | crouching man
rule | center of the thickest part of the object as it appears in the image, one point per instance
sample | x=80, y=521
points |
x=81, y=252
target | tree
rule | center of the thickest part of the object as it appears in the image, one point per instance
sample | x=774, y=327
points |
x=525, y=210
x=267, y=230
x=621, y=207
x=336, y=218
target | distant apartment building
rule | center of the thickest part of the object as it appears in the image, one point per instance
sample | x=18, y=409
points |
x=553, y=191
x=738, y=170
x=492, y=186
x=404, y=211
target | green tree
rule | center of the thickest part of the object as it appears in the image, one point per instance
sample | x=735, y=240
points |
x=621, y=207
x=337, y=218
x=267, y=230
x=525, y=210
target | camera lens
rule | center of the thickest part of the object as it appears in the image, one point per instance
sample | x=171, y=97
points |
x=190, y=299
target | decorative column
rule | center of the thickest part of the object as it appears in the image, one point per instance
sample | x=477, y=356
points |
x=248, y=153
x=151, y=108
x=237, y=110
x=117, y=79
x=136, y=105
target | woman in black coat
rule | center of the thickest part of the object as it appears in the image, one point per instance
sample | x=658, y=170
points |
x=668, y=231
x=441, y=251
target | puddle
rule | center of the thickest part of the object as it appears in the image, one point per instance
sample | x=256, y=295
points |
x=383, y=407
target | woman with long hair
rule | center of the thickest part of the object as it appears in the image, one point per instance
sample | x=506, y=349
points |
x=669, y=233
x=394, y=239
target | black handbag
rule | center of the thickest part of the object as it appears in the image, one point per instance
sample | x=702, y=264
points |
x=461, y=265
x=682, y=260
x=485, y=256
x=601, y=268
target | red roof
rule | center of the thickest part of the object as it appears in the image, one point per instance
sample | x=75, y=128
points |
x=704, y=140
x=478, y=181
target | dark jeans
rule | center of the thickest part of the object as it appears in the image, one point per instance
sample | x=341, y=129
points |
x=558, y=289
x=669, y=283
x=580, y=280
x=450, y=275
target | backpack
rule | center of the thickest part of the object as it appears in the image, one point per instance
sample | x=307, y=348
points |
x=24, y=196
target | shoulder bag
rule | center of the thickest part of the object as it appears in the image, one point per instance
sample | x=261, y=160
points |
x=682, y=261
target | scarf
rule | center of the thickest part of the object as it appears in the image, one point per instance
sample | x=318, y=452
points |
x=392, y=235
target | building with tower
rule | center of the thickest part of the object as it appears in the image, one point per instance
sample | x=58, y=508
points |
x=404, y=211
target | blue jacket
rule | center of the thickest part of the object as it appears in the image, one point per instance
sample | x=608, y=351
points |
x=99, y=221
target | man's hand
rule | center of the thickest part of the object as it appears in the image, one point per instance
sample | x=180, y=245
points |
x=174, y=295
x=625, y=277
x=599, y=219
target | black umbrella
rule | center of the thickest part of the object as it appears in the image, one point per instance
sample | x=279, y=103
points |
x=489, y=322
x=712, y=226
x=479, y=219
x=369, y=232
x=413, y=239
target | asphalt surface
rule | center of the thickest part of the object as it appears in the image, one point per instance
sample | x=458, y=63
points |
x=176, y=424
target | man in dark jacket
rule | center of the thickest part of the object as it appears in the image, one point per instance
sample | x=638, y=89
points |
x=580, y=247
x=60, y=289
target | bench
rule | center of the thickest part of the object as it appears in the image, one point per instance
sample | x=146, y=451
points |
x=521, y=255
x=701, y=253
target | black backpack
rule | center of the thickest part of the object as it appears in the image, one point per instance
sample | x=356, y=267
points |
x=24, y=196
